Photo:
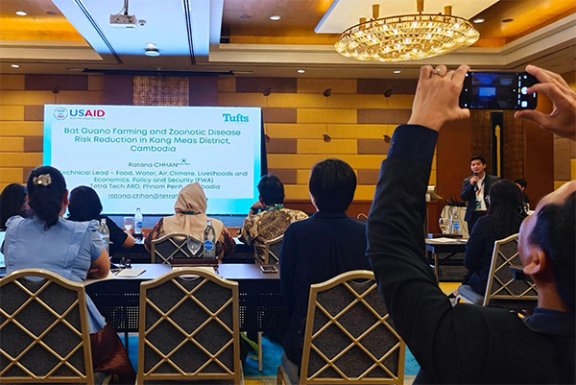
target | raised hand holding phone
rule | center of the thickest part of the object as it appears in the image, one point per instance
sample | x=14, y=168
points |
x=498, y=91
x=562, y=119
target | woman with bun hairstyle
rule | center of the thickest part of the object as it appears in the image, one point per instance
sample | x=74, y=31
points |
x=73, y=250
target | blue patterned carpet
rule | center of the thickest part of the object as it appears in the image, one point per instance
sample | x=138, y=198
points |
x=272, y=352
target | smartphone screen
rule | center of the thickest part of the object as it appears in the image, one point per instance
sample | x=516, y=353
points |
x=269, y=269
x=498, y=91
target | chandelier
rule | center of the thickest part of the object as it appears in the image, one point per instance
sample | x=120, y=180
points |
x=406, y=37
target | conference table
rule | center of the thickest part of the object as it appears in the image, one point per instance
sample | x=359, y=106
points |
x=443, y=250
x=118, y=296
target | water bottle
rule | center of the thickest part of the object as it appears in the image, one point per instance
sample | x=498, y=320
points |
x=138, y=222
x=454, y=222
x=104, y=233
x=209, y=241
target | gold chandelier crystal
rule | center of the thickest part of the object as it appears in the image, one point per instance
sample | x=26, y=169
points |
x=406, y=37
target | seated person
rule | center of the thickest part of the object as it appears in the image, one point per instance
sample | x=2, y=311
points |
x=319, y=248
x=13, y=201
x=522, y=185
x=190, y=218
x=268, y=218
x=73, y=250
x=85, y=206
x=505, y=214
x=470, y=344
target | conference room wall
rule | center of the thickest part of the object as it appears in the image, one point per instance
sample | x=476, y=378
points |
x=22, y=99
x=354, y=123
x=565, y=150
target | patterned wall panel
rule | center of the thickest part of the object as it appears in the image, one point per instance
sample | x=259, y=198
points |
x=160, y=91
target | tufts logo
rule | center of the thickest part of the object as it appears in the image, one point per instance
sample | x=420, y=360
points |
x=60, y=113
x=238, y=118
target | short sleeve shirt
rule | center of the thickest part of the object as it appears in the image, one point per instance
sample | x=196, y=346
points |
x=67, y=248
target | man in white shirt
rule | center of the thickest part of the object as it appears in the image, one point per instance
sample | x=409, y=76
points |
x=476, y=191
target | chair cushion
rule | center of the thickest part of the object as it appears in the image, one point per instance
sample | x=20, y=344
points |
x=470, y=295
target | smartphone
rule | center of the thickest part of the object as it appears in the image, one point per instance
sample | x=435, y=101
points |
x=498, y=91
x=269, y=268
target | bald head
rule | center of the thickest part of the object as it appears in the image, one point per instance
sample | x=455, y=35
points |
x=547, y=243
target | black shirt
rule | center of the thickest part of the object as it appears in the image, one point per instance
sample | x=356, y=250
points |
x=315, y=250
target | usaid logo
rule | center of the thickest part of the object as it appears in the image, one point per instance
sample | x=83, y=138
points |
x=60, y=113
x=87, y=113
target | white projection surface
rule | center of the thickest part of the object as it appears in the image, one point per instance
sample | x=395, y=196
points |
x=141, y=156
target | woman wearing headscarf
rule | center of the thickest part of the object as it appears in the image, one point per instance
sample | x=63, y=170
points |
x=190, y=218
x=85, y=206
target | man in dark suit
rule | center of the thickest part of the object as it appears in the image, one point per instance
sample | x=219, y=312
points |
x=319, y=248
x=475, y=191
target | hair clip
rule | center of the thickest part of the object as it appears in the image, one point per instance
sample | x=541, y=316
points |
x=42, y=180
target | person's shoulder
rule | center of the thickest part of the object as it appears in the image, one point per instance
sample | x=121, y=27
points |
x=91, y=225
x=14, y=221
x=299, y=225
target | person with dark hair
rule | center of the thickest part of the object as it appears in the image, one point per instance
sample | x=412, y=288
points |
x=522, y=185
x=85, y=206
x=268, y=218
x=73, y=250
x=475, y=191
x=13, y=201
x=468, y=343
x=319, y=248
x=505, y=214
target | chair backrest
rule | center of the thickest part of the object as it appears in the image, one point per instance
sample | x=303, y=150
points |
x=270, y=254
x=189, y=328
x=502, y=289
x=349, y=337
x=44, y=329
x=177, y=249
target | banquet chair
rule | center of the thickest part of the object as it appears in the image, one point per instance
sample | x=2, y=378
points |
x=189, y=328
x=44, y=329
x=503, y=289
x=271, y=251
x=349, y=337
x=179, y=249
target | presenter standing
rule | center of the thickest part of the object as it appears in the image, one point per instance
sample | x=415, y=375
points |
x=476, y=190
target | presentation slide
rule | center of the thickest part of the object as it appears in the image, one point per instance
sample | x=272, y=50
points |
x=141, y=156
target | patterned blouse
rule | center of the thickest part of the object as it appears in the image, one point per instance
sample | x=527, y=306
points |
x=267, y=225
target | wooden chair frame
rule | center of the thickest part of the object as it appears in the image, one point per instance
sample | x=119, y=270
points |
x=506, y=292
x=348, y=281
x=179, y=373
x=270, y=254
x=180, y=255
x=19, y=281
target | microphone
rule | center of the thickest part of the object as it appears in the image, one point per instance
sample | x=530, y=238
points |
x=475, y=183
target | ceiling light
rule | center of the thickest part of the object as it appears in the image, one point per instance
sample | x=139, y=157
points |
x=396, y=71
x=22, y=13
x=406, y=37
x=301, y=71
x=478, y=20
x=15, y=65
x=152, y=52
x=150, y=49
x=275, y=17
